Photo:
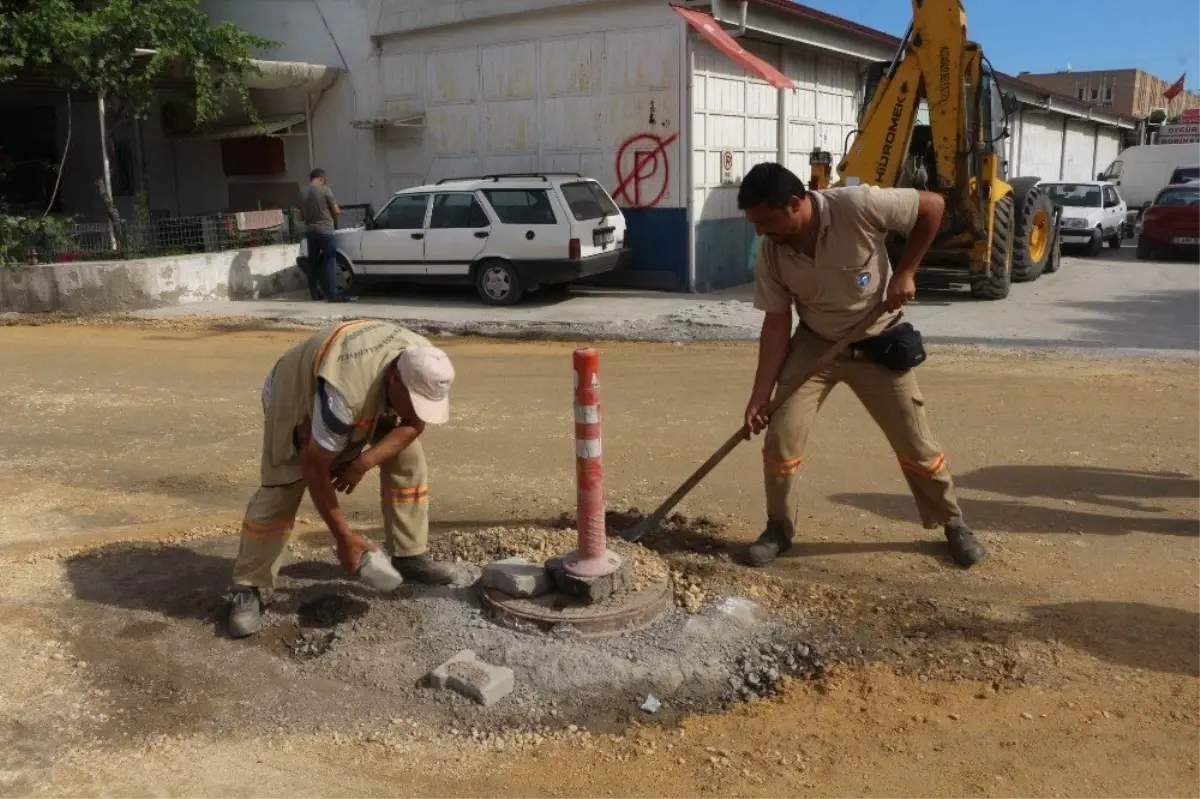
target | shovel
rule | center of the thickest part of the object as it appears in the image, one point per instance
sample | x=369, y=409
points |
x=782, y=393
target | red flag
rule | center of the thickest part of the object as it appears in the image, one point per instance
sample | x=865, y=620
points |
x=1174, y=89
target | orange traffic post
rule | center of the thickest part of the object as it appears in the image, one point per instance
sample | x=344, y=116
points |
x=592, y=558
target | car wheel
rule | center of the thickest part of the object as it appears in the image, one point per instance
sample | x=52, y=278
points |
x=343, y=278
x=498, y=283
x=1097, y=243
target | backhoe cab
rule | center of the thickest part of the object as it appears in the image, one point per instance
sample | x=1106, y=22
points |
x=996, y=229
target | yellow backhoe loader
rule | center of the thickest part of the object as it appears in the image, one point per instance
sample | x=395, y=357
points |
x=996, y=229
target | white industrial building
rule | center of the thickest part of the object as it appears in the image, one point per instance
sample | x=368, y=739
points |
x=626, y=91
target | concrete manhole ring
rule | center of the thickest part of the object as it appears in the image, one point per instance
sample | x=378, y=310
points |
x=628, y=613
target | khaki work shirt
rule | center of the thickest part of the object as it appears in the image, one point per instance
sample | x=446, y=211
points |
x=835, y=290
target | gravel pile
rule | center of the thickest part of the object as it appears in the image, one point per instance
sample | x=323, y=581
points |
x=760, y=671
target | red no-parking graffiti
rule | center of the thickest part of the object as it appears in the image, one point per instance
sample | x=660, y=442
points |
x=638, y=169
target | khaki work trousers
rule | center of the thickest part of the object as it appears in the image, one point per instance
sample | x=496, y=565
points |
x=895, y=403
x=271, y=516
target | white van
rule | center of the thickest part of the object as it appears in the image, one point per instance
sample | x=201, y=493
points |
x=1140, y=171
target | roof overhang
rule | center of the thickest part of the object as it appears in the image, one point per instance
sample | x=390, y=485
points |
x=788, y=23
x=404, y=121
x=272, y=75
x=297, y=75
x=793, y=23
x=275, y=126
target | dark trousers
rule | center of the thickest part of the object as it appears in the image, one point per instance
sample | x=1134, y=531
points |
x=322, y=261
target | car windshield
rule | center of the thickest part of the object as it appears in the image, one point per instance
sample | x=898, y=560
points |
x=1185, y=173
x=587, y=200
x=1179, y=195
x=1077, y=194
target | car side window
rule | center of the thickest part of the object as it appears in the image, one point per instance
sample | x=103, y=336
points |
x=521, y=206
x=403, y=213
x=1110, y=196
x=457, y=211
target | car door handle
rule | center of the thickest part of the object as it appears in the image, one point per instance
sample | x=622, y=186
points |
x=481, y=234
x=418, y=236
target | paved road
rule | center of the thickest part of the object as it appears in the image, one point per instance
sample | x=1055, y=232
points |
x=1112, y=303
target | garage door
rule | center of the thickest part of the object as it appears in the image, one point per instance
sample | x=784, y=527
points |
x=1108, y=147
x=1079, y=150
x=1040, y=145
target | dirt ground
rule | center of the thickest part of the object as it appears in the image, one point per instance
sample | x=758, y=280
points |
x=1065, y=665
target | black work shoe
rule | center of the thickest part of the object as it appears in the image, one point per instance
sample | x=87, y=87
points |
x=965, y=548
x=245, y=611
x=769, y=545
x=424, y=569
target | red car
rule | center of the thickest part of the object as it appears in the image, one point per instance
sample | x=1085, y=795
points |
x=1172, y=222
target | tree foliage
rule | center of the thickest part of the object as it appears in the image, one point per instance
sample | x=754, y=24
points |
x=93, y=46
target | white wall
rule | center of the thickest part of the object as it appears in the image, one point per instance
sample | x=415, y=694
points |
x=334, y=33
x=732, y=110
x=1108, y=146
x=1079, y=149
x=736, y=111
x=562, y=90
x=1041, y=145
x=823, y=109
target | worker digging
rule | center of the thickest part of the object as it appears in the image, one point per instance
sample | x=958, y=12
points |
x=335, y=406
x=824, y=252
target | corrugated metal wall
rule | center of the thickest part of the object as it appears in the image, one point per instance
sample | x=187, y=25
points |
x=1041, y=146
x=735, y=111
x=1053, y=146
x=823, y=109
x=1079, y=150
x=1108, y=146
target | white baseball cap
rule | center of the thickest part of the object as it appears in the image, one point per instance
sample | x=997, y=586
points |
x=427, y=374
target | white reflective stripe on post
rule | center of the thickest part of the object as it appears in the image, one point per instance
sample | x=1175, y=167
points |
x=587, y=448
x=587, y=414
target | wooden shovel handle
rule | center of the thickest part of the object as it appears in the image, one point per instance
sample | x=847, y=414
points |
x=782, y=394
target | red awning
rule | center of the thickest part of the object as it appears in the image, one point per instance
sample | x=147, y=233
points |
x=710, y=29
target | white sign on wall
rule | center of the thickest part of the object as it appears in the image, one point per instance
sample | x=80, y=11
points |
x=727, y=165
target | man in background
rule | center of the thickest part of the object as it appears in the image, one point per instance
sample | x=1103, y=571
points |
x=318, y=208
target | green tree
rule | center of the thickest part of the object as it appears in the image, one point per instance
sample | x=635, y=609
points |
x=118, y=49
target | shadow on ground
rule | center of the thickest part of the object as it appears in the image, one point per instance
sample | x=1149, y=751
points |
x=183, y=583
x=1116, y=488
x=1129, y=634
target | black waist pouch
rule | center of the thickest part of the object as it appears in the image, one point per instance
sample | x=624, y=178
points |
x=899, y=348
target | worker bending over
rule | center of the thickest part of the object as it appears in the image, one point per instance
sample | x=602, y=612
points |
x=824, y=252
x=335, y=406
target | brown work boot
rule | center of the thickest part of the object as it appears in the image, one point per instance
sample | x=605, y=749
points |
x=772, y=543
x=424, y=569
x=965, y=548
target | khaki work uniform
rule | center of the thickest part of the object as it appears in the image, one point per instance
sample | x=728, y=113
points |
x=353, y=358
x=833, y=292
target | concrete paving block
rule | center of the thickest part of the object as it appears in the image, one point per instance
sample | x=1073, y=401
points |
x=466, y=674
x=517, y=577
x=590, y=589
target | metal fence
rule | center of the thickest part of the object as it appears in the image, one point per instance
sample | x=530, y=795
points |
x=148, y=238
x=154, y=237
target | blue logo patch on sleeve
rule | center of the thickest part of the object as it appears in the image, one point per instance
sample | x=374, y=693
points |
x=863, y=280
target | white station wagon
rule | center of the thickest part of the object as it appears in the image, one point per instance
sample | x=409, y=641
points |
x=504, y=234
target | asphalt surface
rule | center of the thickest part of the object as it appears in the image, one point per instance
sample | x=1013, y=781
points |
x=1111, y=304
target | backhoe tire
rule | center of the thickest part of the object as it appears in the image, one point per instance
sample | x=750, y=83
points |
x=994, y=283
x=1032, y=239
